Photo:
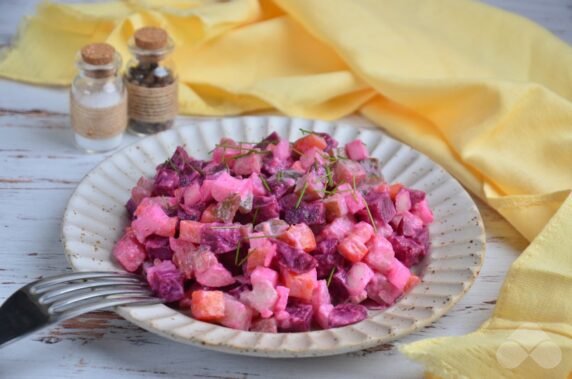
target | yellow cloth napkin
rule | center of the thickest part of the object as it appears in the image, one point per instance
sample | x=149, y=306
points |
x=485, y=93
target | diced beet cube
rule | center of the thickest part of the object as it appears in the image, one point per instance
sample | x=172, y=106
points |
x=188, y=213
x=382, y=291
x=130, y=207
x=407, y=250
x=220, y=240
x=416, y=196
x=266, y=208
x=246, y=165
x=422, y=238
x=152, y=219
x=381, y=206
x=309, y=213
x=346, y=314
x=299, y=320
x=281, y=186
x=180, y=159
x=265, y=325
x=293, y=259
x=166, y=182
x=236, y=314
x=157, y=247
x=346, y=171
x=410, y=225
x=338, y=287
x=208, y=305
x=356, y=150
x=272, y=138
x=143, y=189
x=166, y=281
x=331, y=143
x=129, y=252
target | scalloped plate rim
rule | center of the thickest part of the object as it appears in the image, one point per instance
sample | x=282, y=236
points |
x=282, y=352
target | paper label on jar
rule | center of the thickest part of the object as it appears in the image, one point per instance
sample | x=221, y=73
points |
x=152, y=104
x=98, y=123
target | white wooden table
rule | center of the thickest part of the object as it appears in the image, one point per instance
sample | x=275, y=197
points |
x=39, y=168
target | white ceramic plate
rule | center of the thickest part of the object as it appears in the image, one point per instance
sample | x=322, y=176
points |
x=95, y=218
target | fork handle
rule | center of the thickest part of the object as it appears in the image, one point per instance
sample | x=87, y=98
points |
x=13, y=326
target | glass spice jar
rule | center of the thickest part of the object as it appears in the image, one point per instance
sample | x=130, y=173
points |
x=151, y=82
x=98, y=101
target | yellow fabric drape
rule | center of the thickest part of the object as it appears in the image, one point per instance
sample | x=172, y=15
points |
x=485, y=93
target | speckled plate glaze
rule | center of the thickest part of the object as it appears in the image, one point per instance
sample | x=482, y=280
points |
x=95, y=218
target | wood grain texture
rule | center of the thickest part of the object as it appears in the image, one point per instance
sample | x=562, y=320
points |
x=40, y=167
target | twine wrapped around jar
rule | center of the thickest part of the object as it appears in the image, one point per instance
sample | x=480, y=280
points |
x=98, y=123
x=152, y=104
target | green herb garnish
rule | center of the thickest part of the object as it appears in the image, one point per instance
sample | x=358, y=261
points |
x=245, y=258
x=237, y=253
x=265, y=183
x=330, y=276
x=329, y=176
x=301, y=195
x=255, y=216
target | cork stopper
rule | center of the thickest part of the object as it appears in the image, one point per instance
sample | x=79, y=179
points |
x=151, y=38
x=98, y=54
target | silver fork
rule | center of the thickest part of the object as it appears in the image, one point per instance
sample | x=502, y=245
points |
x=57, y=298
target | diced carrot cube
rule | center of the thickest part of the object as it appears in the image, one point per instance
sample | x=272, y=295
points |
x=346, y=171
x=394, y=189
x=210, y=214
x=335, y=207
x=302, y=285
x=352, y=248
x=307, y=142
x=412, y=282
x=300, y=236
x=207, y=305
x=190, y=231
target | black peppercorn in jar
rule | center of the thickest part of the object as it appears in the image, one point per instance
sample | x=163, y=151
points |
x=151, y=82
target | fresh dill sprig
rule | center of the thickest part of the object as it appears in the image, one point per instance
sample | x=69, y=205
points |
x=330, y=276
x=329, y=176
x=255, y=216
x=366, y=206
x=301, y=195
x=226, y=227
x=245, y=258
x=237, y=253
x=306, y=131
x=265, y=183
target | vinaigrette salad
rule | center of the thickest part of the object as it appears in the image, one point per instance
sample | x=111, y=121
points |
x=276, y=236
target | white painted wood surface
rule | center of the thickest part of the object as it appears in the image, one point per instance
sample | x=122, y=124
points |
x=39, y=168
